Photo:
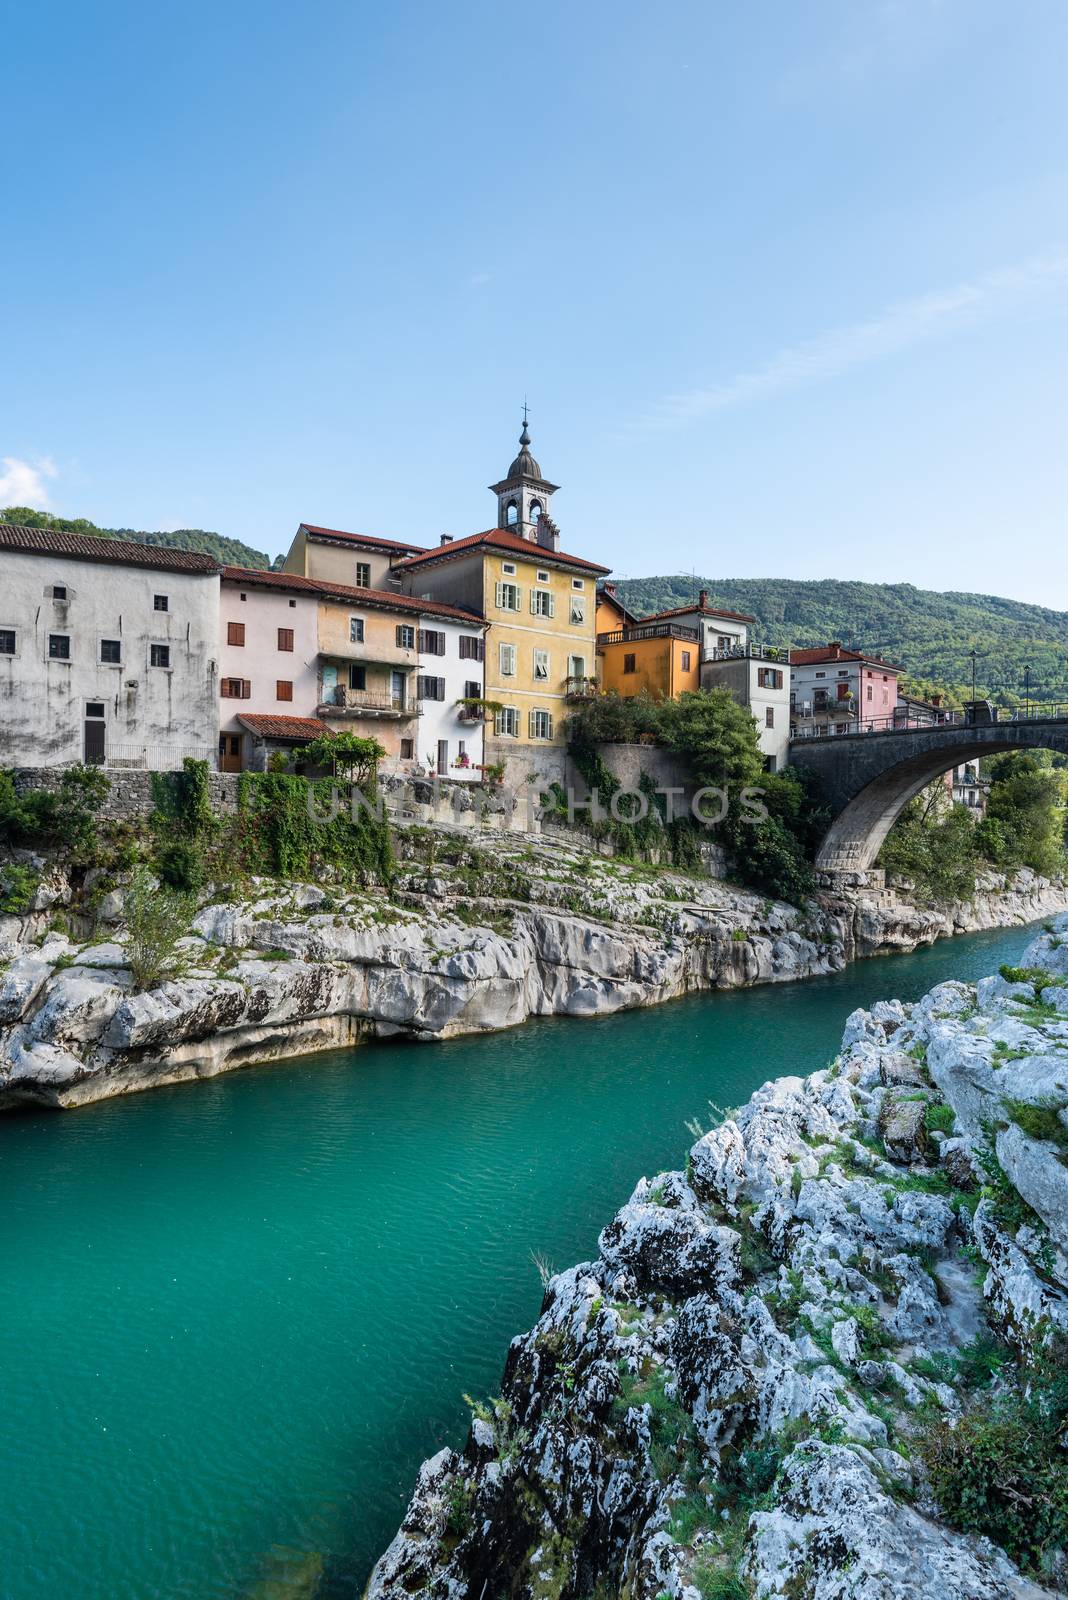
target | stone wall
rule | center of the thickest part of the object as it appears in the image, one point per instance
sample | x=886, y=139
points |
x=130, y=794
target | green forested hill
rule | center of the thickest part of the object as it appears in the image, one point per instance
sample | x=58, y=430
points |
x=929, y=633
x=230, y=551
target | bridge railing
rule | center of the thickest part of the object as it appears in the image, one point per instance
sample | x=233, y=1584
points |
x=910, y=723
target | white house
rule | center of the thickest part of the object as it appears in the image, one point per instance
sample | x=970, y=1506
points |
x=109, y=651
x=451, y=734
x=835, y=690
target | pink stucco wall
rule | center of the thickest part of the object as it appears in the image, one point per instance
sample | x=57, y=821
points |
x=259, y=660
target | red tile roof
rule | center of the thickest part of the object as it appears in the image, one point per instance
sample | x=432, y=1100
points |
x=370, y=541
x=86, y=547
x=500, y=539
x=835, y=652
x=704, y=610
x=382, y=598
x=303, y=728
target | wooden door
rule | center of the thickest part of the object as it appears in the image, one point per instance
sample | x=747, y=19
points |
x=229, y=752
x=94, y=742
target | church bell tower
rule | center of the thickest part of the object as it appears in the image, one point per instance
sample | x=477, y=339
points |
x=523, y=497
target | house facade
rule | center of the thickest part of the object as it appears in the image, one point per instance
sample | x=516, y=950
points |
x=357, y=560
x=268, y=659
x=109, y=651
x=834, y=690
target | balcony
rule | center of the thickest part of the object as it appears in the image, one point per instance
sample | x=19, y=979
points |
x=651, y=630
x=580, y=688
x=751, y=652
x=337, y=700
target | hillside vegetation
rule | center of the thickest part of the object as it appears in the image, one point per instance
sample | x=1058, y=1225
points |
x=929, y=633
x=230, y=551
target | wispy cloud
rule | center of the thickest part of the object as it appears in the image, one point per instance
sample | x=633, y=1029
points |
x=22, y=483
x=477, y=280
x=898, y=327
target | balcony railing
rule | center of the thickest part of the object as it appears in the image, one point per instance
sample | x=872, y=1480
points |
x=651, y=630
x=339, y=700
x=581, y=687
x=750, y=652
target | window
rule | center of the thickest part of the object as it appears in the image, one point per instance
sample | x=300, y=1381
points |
x=59, y=591
x=357, y=676
x=507, y=660
x=508, y=568
x=405, y=636
x=159, y=655
x=542, y=577
x=443, y=758
x=508, y=597
x=285, y=638
x=511, y=517
x=472, y=689
x=821, y=674
x=576, y=666
x=59, y=647
x=242, y=597
x=535, y=510
x=407, y=749
x=431, y=688
x=292, y=605
x=771, y=678
x=472, y=647
x=870, y=691
x=542, y=602
x=578, y=610
x=235, y=633
x=724, y=642
x=630, y=663
x=431, y=642
x=356, y=630
x=160, y=602
x=236, y=689
x=578, y=583
x=283, y=689
x=111, y=652
x=541, y=725
x=363, y=574
x=7, y=641
x=461, y=748
x=685, y=654
x=769, y=716
x=506, y=723
x=541, y=666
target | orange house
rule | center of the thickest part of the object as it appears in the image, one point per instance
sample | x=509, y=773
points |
x=658, y=656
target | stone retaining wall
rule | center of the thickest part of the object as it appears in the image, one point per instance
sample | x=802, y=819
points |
x=130, y=793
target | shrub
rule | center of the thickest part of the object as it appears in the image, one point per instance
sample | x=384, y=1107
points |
x=180, y=866
x=18, y=885
x=1002, y=1471
x=65, y=819
x=156, y=918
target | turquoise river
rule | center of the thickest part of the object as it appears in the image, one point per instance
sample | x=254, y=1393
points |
x=236, y=1315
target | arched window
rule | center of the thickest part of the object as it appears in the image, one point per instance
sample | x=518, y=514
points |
x=511, y=515
x=535, y=511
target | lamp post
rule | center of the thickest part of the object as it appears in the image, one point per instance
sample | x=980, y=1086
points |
x=1027, y=690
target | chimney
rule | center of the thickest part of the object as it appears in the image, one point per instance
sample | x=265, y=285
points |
x=936, y=699
x=702, y=599
x=446, y=538
x=609, y=588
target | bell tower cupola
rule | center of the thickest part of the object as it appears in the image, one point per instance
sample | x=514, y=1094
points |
x=523, y=497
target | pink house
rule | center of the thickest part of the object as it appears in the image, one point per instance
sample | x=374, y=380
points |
x=268, y=650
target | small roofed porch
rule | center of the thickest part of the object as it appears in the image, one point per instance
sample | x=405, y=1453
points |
x=260, y=737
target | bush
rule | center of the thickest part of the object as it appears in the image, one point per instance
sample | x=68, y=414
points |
x=1002, y=1471
x=18, y=885
x=65, y=819
x=156, y=918
x=180, y=866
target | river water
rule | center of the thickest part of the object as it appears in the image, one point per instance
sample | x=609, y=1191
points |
x=236, y=1315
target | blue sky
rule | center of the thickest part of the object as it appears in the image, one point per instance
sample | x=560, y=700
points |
x=786, y=285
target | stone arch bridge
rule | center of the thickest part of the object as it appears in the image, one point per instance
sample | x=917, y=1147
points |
x=867, y=778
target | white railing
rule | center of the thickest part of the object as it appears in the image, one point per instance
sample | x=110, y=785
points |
x=156, y=757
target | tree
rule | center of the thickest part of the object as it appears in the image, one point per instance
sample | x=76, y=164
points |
x=1024, y=824
x=356, y=757
x=156, y=918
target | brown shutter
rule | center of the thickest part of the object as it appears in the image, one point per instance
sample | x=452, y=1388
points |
x=285, y=638
x=284, y=689
x=235, y=633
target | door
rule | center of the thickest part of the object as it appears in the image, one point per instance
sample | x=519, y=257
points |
x=94, y=741
x=229, y=752
x=443, y=758
x=396, y=690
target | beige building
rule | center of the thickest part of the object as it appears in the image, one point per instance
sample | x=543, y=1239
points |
x=332, y=556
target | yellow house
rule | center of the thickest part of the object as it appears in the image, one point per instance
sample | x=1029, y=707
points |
x=541, y=605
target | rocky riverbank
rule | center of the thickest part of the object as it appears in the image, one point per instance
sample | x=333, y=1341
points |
x=825, y=1360
x=467, y=939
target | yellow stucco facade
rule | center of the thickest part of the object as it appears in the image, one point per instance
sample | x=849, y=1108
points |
x=367, y=671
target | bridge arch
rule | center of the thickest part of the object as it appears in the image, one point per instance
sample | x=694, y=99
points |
x=867, y=779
